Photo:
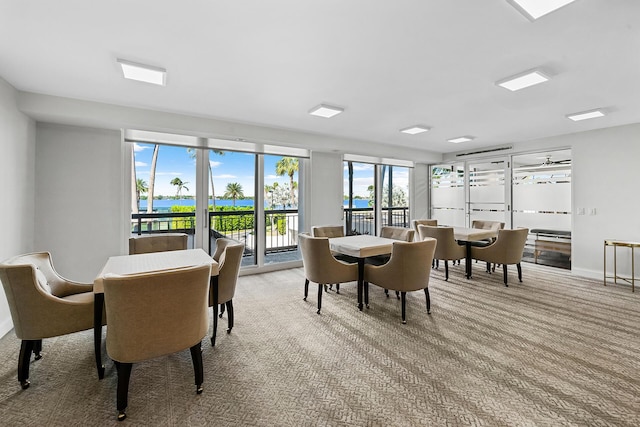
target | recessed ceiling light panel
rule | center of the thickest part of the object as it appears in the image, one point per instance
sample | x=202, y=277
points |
x=523, y=80
x=413, y=130
x=143, y=73
x=534, y=9
x=460, y=139
x=591, y=114
x=325, y=111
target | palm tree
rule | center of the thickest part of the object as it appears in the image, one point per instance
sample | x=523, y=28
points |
x=141, y=188
x=269, y=190
x=288, y=166
x=180, y=185
x=234, y=191
x=152, y=178
x=192, y=154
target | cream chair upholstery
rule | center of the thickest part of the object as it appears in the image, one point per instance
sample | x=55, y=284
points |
x=448, y=248
x=327, y=231
x=321, y=267
x=407, y=270
x=487, y=225
x=332, y=231
x=507, y=249
x=43, y=304
x=229, y=259
x=397, y=233
x=157, y=243
x=417, y=222
x=155, y=314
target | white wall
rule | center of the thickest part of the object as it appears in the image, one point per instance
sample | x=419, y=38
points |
x=17, y=145
x=605, y=169
x=326, y=187
x=79, y=197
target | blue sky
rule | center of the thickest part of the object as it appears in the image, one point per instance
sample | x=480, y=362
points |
x=230, y=167
x=235, y=167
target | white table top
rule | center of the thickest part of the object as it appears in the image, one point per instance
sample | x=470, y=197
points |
x=155, y=261
x=473, y=234
x=362, y=245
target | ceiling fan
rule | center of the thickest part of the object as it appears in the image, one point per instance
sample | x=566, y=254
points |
x=549, y=162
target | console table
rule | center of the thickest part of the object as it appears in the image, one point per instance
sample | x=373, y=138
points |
x=615, y=277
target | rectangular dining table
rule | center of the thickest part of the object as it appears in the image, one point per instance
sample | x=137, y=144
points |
x=136, y=264
x=361, y=246
x=470, y=237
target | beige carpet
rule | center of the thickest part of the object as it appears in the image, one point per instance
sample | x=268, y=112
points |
x=554, y=350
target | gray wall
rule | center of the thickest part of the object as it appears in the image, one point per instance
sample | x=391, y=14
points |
x=79, y=197
x=17, y=145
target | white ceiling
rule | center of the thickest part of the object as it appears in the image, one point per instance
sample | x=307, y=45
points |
x=390, y=64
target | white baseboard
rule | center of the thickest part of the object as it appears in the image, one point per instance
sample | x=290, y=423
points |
x=589, y=274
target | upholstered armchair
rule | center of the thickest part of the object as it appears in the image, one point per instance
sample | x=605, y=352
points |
x=396, y=233
x=417, y=222
x=43, y=304
x=447, y=249
x=155, y=314
x=332, y=231
x=507, y=249
x=157, y=243
x=407, y=270
x=321, y=267
x=229, y=257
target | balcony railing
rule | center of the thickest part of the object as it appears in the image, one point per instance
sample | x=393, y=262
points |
x=281, y=226
x=362, y=221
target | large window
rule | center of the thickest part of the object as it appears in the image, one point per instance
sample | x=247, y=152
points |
x=375, y=195
x=210, y=193
x=164, y=184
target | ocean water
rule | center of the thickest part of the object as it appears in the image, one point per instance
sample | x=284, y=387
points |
x=164, y=204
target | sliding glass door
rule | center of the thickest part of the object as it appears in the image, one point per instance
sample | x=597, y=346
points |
x=487, y=197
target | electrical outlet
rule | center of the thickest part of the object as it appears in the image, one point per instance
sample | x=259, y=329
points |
x=580, y=211
x=592, y=211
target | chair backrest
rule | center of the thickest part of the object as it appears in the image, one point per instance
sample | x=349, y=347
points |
x=229, y=266
x=35, y=293
x=408, y=268
x=157, y=243
x=508, y=247
x=319, y=264
x=417, y=222
x=447, y=247
x=158, y=313
x=327, y=231
x=487, y=225
x=397, y=233
x=221, y=244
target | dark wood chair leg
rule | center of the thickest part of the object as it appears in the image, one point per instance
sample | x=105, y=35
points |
x=446, y=270
x=306, y=289
x=337, y=288
x=519, y=272
x=386, y=292
x=489, y=267
x=215, y=314
x=404, y=307
x=229, y=315
x=221, y=311
x=196, y=358
x=124, y=374
x=319, y=298
x=366, y=294
x=504, y=274
x=397, y=294
x=426, y=293
x=37, y=349
x=26, y=348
